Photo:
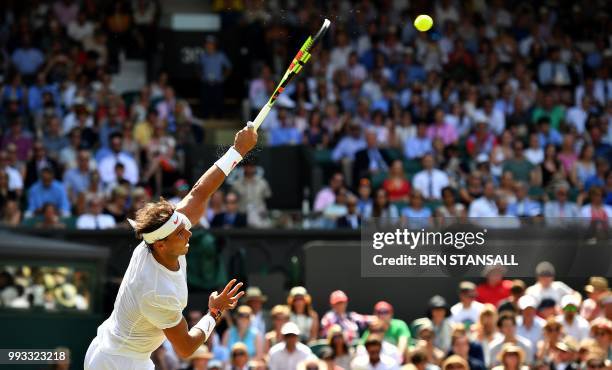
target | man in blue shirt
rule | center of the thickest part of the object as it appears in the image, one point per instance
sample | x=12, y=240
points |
x=418, y=146
x=47, y=190
x=76, y=180
x=214, y=67
x=285, y=133
x=27, y=59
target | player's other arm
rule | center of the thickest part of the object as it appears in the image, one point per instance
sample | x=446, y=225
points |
x=194, y=203
x=185, y=341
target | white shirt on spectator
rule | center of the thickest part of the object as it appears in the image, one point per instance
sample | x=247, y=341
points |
x=576, y=116
x=281, y=359
x=95, y=222
x=430, y=183
x=107, y=168
x=555, y=291
x=496, y=120
x=363, y=363
x=15, y=181
x=579, y=328
x=496, y=346
x=79, y=32
x=483, y=207
x=534, y=156
x=387, y=349
x=461, y=314
x=585, y=211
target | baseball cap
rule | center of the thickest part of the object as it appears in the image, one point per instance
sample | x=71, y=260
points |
x=337, y=296
x=570, y=299
x=437, y=301
x=298, y=290
x=527, y=301
x=383, y=306
x=467, y=286
x=545, y=268
x=290, y=328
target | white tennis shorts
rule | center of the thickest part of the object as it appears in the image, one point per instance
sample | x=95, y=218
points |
x=98, y=360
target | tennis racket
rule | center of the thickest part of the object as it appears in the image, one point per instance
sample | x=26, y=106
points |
x=300, y=59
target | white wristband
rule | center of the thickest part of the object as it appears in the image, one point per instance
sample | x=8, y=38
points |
x=229, y=160
x=207, y=325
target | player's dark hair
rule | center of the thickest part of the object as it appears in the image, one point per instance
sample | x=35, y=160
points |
x=152, y=216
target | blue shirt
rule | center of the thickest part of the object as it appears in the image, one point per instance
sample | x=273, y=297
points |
x=55, y=194
x=76, y=181
x=525, y=208
x=27, y=61
x=417, y=218
x=285, y=136
x=347, y=147
x=212, y=65
x=554, y=137
x=417, y=147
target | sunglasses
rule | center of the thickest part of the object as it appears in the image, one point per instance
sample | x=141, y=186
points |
x=238, y=353
x=383, y=312
x=244, y=315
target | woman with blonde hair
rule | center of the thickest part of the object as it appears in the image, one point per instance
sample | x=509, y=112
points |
x=302, y=313
x=512, y=357
x=553, y=333
x=343, y=352
x=485, y=331
x=280, y=315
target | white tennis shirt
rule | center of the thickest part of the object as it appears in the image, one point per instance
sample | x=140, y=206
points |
x=150, y=298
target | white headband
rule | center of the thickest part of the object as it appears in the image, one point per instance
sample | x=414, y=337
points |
x=166, y=229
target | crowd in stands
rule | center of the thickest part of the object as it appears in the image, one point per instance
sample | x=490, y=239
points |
x=497, y=324
x=503, y=109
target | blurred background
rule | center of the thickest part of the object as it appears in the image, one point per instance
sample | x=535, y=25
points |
x=503, y=109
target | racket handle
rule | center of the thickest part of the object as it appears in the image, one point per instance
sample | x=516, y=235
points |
x=263, y=113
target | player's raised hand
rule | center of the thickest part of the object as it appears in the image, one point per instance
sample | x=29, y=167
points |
x=245, y=139
x=228, y=298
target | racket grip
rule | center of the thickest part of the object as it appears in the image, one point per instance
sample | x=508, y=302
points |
x=263, y=113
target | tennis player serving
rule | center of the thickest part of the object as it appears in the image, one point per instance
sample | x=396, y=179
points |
x=153, y=292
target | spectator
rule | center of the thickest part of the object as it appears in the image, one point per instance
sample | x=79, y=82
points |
x=280, y=316
x=460, y=346
x=397, y=332
x=327, y=195
x=417, y=146
x=396, y=184
x=253, y=190
x=47, y=190
x=370, y=160
x=214, y=69
x=599, y=177
x=524, y=206
x=53, y=140
x=349, y=145
x=117, y=205
x=11, y=213
x=485, y=206
x=22, y=140
x=583, y=168
x=438, y=313
x=467, y=310
x=94, y=219
x=6, y=194
x=455, y=362
x=107, y=164
x=80, y=28
x=378, y=327
x=381, y=208
x=329, y=360
x=546, y=286
x=430, y=181
x=260, y=318
x=601, y=330
x=27, y=59
x=76, y=180
x=528, y=324
x=416, y=214
x=511, y=357
x=374, y=358
x=442, y=130
x=495, y=288
x=243, y=332
x=534, y=152
x=596, y=211
x=39, y=160
x=521, y=168
x=450, y=208
x=349, y=321
x=200, y=359
x=507, y=327
x=596, y=289
x=231, y=217
x=14, y=179
x=239, y=356
x=560, y=207
x=574, y=325
x=352, y=218
x=563, y=356
x=342, y=351
x=517, y=290
x=289, y=353
x=302, y=313
x=50, y=218
x=364, y=202
x=553, y=333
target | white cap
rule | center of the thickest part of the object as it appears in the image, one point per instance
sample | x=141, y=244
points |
x=570, y=299
x=290, y=328
x=527, y=301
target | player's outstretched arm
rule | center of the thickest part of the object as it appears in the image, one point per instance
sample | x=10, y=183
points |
x=194, y=203
x=185, y=341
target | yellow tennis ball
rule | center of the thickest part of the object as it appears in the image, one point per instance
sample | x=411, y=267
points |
x=423, y=22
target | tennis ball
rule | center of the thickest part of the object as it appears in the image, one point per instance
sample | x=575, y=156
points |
x=423, y=22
